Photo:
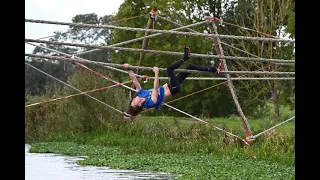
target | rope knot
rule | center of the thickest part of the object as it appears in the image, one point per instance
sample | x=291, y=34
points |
x=250, y=139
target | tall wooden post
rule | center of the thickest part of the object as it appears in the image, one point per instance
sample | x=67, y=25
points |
x=152, y=17
x=151, y=20
x=219, y=50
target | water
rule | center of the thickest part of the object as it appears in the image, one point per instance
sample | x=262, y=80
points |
x=47, y=166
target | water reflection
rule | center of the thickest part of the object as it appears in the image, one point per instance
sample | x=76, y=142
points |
x=47, y=166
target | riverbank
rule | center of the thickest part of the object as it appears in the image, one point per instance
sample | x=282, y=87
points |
x=192, y=150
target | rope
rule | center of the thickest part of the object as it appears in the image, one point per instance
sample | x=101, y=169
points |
x=159, y=31
x=211, y=78
x=133, y=17
x=277, y=63
x=65, y=97
x=74, y=88
x=160, y=52
x=141, y=38
x=160, y=69
x=263, y=132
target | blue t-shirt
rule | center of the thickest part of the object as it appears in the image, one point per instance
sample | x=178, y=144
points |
x=147, y=94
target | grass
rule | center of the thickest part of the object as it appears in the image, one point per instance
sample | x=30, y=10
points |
x=191, y=150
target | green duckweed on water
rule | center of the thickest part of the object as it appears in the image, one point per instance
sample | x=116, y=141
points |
x=188, y=165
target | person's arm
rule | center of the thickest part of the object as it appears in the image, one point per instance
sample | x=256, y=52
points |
x=132, y=77
x=154, y=94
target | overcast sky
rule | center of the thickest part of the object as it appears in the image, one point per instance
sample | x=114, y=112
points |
x=61, y=10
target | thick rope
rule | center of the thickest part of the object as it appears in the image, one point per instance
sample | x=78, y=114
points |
x=160, y=69
x=159, y=31
x=133, y=17
x=263, y=132
x=210, y=78
x=160, y=52
x=75, y=88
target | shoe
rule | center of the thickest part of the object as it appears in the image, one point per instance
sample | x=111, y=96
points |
x=186, y=54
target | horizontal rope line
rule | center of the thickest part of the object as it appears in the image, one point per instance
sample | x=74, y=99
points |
x=160, y=52
x=159, y=31
x=151, y=69
x=211, y=78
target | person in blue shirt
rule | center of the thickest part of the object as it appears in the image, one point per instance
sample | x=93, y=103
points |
x=153, y=98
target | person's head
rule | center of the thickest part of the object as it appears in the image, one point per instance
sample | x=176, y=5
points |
x=136, y=105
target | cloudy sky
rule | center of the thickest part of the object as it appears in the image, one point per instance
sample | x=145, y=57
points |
x=61, y=10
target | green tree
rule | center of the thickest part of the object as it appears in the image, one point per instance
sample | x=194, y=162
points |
x=36, y=81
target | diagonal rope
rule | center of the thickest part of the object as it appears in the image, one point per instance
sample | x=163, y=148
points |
x=74, y=88
x=159, y=31
x=160, y=69
x=158, y=52
x=263, y=132
x=73, y=95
